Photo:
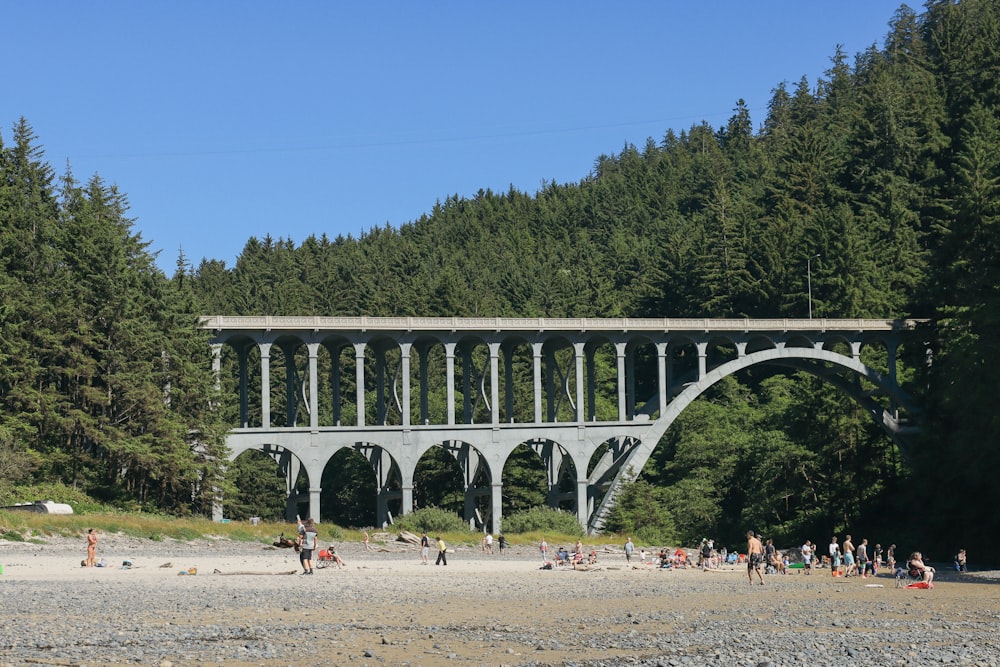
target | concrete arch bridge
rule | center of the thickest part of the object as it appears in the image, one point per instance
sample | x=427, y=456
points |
x=591, y=396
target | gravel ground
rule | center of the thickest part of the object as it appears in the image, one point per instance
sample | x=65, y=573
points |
x=385, y=608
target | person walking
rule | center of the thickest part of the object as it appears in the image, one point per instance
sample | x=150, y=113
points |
x=502, y=543
x=629, y=550
x=807, y=554
x=755, y=557
x=442, y=558
x=425, y=548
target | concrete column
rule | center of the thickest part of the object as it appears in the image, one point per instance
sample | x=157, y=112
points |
x=741, y=349
x=702, y=359
x=536, y=354
x=581, y=502
x=217, y=365
x=495, y=384
x=314, y=493
x=661, y=375
x=496, y=508
x=622, y=409
x=449, y=355
x=591, y=412
x=891, y=350
x=578, y=352
x=313, y=387
x=407, y=500
x=265, y=385
x=404, y=360
x=359, y=374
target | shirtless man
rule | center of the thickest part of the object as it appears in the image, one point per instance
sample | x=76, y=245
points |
x=755, y=557
x=851, y=567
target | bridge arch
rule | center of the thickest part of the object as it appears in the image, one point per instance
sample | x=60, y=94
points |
x=635, y=456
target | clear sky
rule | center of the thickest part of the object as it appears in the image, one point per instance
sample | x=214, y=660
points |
x=228, y=119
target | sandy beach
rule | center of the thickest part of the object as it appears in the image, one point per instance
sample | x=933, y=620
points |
x=247, y=605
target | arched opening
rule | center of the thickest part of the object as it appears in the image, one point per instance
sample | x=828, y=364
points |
x=350, y=491
x=261, y=485
x=525, y=483
x=437, y=482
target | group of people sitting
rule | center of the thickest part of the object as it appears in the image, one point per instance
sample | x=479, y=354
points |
x=563, y=557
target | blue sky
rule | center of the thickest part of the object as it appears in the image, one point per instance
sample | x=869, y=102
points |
x=225, y=120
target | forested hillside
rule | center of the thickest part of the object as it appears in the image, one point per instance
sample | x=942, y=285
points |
x=883, y=176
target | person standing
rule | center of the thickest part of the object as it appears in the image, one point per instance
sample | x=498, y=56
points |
x=502, y=543
x=862, y=556
x=755, y=557
x=890, y=557
x=308, y=534
x=543, y=548
x=368, y=546
x=91, y=548
x=442, y=558
x=807, y=554
x=629, y=550
x=425, y=548
x=834, y=557
x=849, y=561
x=489, y=543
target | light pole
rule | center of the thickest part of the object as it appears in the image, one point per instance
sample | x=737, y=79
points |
x=809, y=281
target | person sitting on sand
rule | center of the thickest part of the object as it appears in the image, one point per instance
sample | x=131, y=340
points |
x=916, y=566
x=562, y=556
x=336, y=557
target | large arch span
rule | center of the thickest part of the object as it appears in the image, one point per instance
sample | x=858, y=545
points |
x=634, y=458
x=591, y=396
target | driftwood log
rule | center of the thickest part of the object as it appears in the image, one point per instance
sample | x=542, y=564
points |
x=409, y=538
x=217, y=571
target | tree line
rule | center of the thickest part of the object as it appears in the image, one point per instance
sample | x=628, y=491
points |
x=878, y=180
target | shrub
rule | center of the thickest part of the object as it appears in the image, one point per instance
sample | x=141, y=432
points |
x=432, y=520
x=543, y=519
x=641, y=511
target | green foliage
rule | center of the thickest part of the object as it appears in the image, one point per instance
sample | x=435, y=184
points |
x=641, y=511
x=431, y=520
x=543, y=519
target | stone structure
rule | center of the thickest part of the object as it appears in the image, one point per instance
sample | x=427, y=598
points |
x=592, y=432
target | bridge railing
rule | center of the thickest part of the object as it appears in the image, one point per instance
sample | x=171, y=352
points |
x=582, y=324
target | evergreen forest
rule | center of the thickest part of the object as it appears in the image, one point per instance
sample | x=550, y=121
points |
x=879, y=183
